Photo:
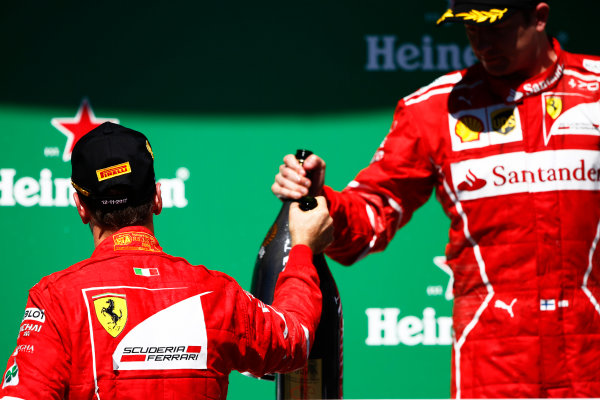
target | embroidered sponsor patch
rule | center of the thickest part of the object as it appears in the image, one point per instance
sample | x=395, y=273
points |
x=27, y=329
x=135, y=241
x=563, y=303
x=592, y=65
x=536, y=87
x=547, y=304
x=468, y=128
x=114, y=171
x=553, y=106
x=521, y=172
x=11, y=377
x=26, y=348
x=569, y=116
x=503, y=120
x=34, y=314
x=111, y=311
x=481, y=127
x=471, y=182
x=146, y=271
x=160, y=354
x=172, y=338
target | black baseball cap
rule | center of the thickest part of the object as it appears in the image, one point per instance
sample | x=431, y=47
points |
x=112, y=167
x=484, y=11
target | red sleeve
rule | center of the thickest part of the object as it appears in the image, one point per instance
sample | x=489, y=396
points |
x=277, y=338
x=383, y=196
x=39, y=366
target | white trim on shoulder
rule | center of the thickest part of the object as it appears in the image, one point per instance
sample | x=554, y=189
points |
x=449, y=79
x=584, y=77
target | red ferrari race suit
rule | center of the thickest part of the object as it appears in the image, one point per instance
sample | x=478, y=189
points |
x=132, y=322
x=518, y=174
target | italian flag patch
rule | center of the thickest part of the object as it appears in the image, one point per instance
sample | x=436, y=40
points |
x=146, y=271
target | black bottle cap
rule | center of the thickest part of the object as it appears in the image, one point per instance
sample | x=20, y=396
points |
x=307, y=203
x=302, y=154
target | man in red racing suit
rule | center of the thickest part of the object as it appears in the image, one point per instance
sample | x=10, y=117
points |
x=133, y=322
x=520, y=181
x=517, y=171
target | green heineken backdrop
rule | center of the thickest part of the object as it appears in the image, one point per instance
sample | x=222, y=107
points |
x=224, y=90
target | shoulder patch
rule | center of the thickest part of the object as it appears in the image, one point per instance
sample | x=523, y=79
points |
x=592, y=65
x=11, y=377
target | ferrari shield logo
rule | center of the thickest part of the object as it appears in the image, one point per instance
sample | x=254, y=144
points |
x=111, y=311
x=554, y=106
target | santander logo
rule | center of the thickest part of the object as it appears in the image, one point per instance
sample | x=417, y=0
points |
x=522, y=172
x=471, y=182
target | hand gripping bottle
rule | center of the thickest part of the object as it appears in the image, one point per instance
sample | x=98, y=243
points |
x=321, y=377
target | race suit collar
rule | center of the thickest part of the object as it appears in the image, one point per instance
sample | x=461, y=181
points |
x=540, y=82
x=131, y=238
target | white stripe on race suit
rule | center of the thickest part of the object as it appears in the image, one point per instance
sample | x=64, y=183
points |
x=354, y=184
x=371, y=214
x=93, y=347
x=428, y=95
x=367, y=249
x=583, y=77
x=442, y=80
x=306, y=335
x=285, y=330
x=398, y=209
x=459, y=342
x=584, y=287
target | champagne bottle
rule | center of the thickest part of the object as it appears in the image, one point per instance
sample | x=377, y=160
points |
x=321, y=377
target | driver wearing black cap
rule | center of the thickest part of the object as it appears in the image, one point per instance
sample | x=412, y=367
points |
x=133, y=322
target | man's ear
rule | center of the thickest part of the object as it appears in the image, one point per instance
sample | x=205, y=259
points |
x=82, y=209
x=158, y=204
x=542, y=11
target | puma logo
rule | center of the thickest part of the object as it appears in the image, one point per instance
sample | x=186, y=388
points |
x=502, y=305
x=463, y=98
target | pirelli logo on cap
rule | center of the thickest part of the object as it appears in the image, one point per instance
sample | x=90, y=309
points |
x=115, y=170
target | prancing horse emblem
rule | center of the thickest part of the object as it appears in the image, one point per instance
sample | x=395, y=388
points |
x=111, y=311
x=554, y=106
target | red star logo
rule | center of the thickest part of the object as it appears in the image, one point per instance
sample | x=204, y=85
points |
x=74, y=128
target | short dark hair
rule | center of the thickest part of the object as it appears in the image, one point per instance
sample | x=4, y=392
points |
x=117, y=218
x=120, y=218
x=528, y=15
